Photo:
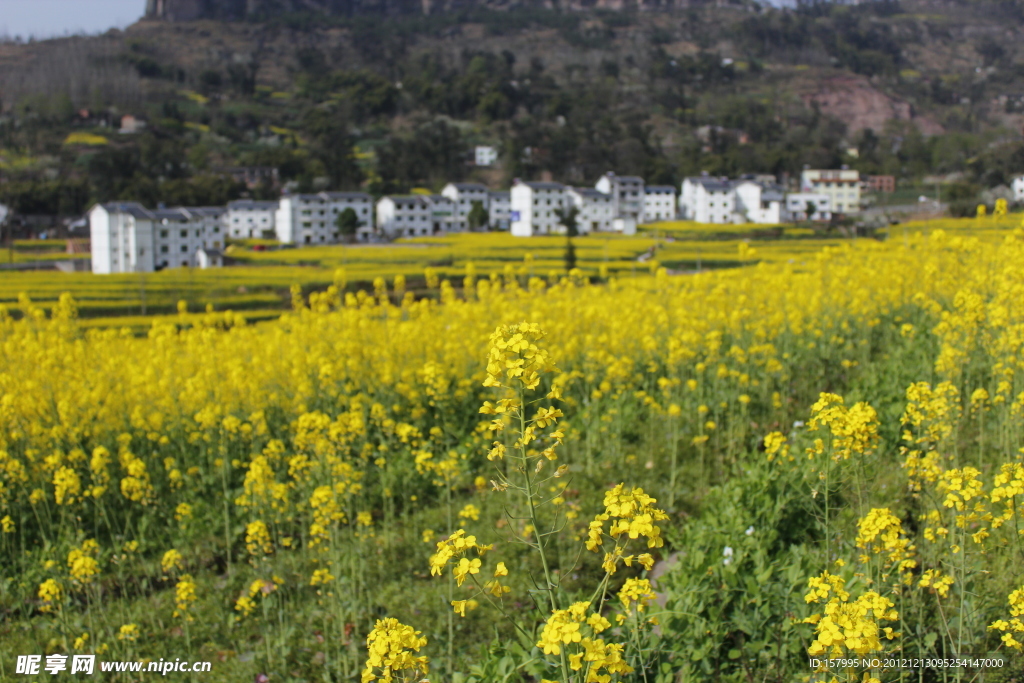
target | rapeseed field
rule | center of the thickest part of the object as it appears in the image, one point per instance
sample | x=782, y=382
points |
x=532, y=477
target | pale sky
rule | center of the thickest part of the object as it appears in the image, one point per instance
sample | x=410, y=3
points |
x=48, y=18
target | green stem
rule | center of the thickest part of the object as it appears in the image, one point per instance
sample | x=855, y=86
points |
x=549, y=586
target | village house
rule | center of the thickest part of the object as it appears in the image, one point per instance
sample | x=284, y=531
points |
x=247, y=218
x=499, y=209
x=442, y=213
x=659, y=203
x=596, y=209
x=797, y=206
x=706, y=199
x=885, y=184
x=627, y=193
x=485, y=155
x=406, y=216
x=312, y=218
x=842, y=188
x=535, y=207
x=463, y=195
x=758, y=202
x=1018, y=188
x=128, y=238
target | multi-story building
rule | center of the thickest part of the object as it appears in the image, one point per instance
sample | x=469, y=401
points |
x=1017, y=185
x=485, y=155
x=312, y=218
x=627, y=194
x=596, y=209
x=798, y=205
x=128, y=238
x=442, y=213
x=842, y=187
x=535, y=208
x=659, y=203
x=706, y=199
x=405, y=216
x=758, y=202
x=885, y=184
x=463, y=196
x=247, y=219
x=499, y=208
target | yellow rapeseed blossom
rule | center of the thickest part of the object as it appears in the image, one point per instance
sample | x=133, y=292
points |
x=257, y=538
x=50, y=593
x=128, y=632
x=391, y=647
x=853, y=429
x=632, y=515
x=320, y=577
x=847, y=627
x=184, y=597
x=82, y=564
x=636, y=592
x=172, y=561
x=881, y=532
x=1014, y=625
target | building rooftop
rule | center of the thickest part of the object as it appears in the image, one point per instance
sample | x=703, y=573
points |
x=591, y=193
x=660, y=189
x=131, y=208
x=474, y=187
x=251, y=205
x=712, y=184
x=346, y=195
x=405, y=198
x=543, y=185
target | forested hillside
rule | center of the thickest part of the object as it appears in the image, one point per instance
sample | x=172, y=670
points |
x=389, y=103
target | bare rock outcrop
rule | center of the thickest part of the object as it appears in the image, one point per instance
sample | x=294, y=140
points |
x=858, y=104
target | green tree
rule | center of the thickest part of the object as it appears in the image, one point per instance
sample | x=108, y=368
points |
x=809, y=209
x=568, y=218
x=348, y=222
x=570, y=254
x=334, y=147
x=477, y=217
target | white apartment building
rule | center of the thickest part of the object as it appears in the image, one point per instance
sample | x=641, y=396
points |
x=128, y=238
x=405, y=216
x=705, y=199
x=659, y=203
x=442, y=213
x=311, y=218
x=499, y=209
x=842, y=187
x=534, y=207
x=627, y=194
x=463, y=195
x=485, y=155
x=758, y=202
x=596, y=209
x=1018, y=188
x=247, y=218
x=796, y=206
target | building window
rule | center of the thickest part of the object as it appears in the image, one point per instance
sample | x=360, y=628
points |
x=164, y=249
x=184, y=264
x=184, y=248
x=163, y=233
x=184, y=233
